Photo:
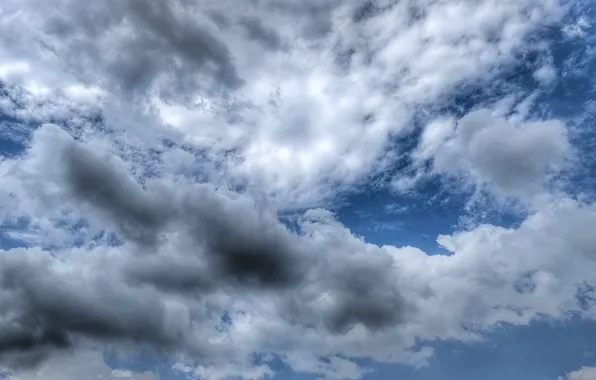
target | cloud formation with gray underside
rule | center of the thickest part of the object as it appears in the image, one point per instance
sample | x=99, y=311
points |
x=244, y=246
x=187, y=242
x=138, y=44
x=256, y=30
x=47, y=305
x=514, y=158
x=82, y=364
x=250, y=94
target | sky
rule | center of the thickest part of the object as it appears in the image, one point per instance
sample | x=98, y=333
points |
x=285, y=189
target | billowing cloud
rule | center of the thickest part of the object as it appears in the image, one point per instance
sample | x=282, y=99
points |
x=161, y=142
x=514, y=158
x=181, y=240
x=300, y=122
x=192, y=252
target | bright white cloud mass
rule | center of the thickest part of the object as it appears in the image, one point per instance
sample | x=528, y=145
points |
x=173, y=175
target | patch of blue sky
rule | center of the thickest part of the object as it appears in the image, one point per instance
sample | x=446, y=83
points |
x=19, y=232
x=573, y=98
x=542, y=351
x=10, y=229
x=14, y=137
x=383, y=218
x=9, y=147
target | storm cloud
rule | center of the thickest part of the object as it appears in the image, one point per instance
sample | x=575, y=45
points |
x=164, y=47
x=184, y=242
x=46, y=306
x=244, y=245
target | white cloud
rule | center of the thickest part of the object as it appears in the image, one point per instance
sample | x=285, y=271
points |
x=546, y=74
x=515, y=158
x=584, y=373
x=303, y=126
x=84, y=364
x=298, y=104
x=225, y=370
x=434, y=136
x=333, y=368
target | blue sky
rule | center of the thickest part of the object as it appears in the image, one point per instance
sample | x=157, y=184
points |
x=297, y=190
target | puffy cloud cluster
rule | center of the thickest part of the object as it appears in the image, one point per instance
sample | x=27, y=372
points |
x=186, y=246
x=169, y=135
x=192, y=252
x=513, y=158
x=298, y=99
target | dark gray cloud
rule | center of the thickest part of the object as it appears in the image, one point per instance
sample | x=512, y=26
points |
x=113, y=193
x=163, y=43
x=188, y=242
x=264, y=35
x=353, y=293
x=242, y=246
x=184, y=36
x=367, y=297
x=183, y=275
x=42, y=310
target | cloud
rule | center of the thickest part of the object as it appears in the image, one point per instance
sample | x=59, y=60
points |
x=153, y=42
x=226, y=371
x=78, y=365
x=584, y=373
x=334, y=368
x=320, y=290
x=294, y=118
x=513, y=158
x=260, y=33
x=255, y=249
x=48, y=306
x=140, y=120
x=181, y=240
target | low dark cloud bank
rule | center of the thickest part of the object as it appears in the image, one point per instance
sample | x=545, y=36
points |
x=186, y=243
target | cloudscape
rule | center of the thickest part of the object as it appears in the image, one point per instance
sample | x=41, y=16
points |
x=297, y=189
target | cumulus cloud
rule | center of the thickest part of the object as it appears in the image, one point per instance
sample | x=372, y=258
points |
x=514, y=158
x=163, y=139
x=48, y=304
x=194, y=241
x=584, y=373
x=192, y=252
x=305, y=94
x=152, y=42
